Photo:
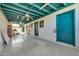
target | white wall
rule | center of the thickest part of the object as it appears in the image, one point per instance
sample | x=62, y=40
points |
x=3, y=26
x=3, y=21
x=50, y=23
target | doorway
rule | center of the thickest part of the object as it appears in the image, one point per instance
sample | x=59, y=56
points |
x=36, y=29
x=65, y=24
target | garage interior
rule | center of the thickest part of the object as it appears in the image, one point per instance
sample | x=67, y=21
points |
x=39, y=29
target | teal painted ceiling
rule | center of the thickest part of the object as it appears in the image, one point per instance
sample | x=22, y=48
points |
x=12, y=10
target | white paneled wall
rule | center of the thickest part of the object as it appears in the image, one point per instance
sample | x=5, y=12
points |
x=50, y=24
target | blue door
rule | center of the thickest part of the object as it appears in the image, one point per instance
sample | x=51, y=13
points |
x=66, y=28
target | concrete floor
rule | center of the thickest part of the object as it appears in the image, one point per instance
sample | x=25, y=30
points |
x=21, y=46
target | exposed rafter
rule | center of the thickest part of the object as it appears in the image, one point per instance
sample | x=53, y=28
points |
x=53, y=7
x=44, y=6
x=9, y=10
x=64, y=4
x=11, y=17
x=19, y=19
x=39, y=7
x=11, y=13
x=18, y=14
x=19, y=10
x=22, y=13
x=12, y=10
x=22, y=6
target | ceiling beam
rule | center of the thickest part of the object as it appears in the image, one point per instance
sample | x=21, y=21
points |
x=14, y=18
x=53, y=7
x=13, y=8
x=44, y=6
x=39, y=7
x=22, y=6
x=19, y=10
x=11, y=16
x=64, y=4
x=17, y=14
x=11, y=13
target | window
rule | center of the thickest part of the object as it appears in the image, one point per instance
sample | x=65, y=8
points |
x=41, y=23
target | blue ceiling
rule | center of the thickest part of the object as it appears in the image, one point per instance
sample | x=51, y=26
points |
x=12, y=10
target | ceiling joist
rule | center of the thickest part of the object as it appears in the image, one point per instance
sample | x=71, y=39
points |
x=43, y=6
x=64, y=4
x=10, y=13
x=53, y=7
x=19, y=10
x=36, y=11
x=39, y=7
x=22, y=6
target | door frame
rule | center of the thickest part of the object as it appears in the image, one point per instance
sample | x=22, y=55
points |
x=36, y=29
x=73, y=25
